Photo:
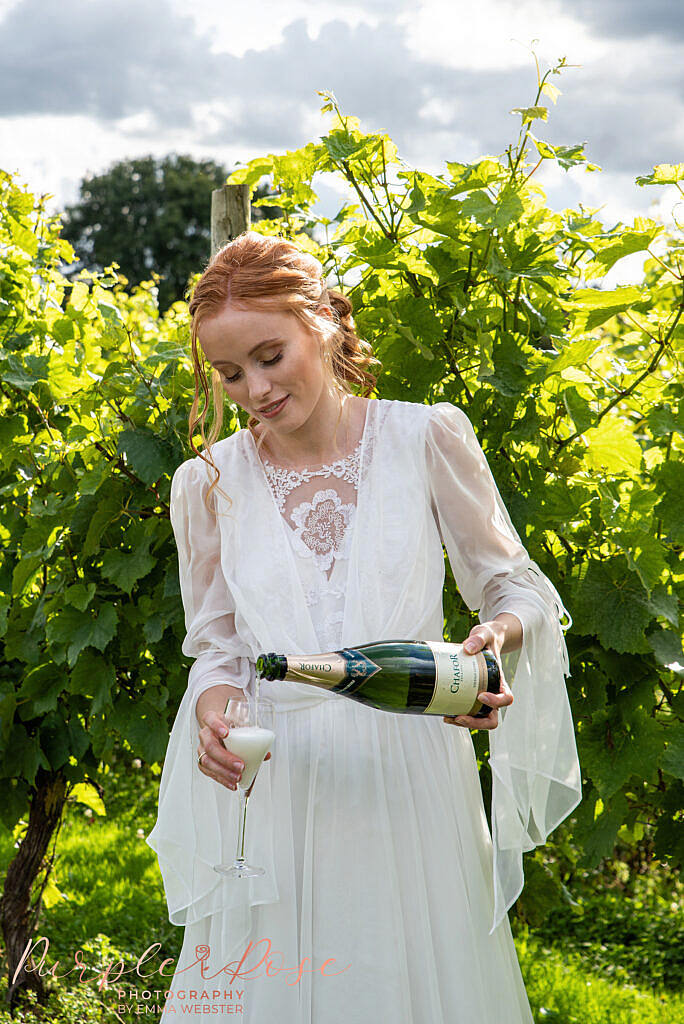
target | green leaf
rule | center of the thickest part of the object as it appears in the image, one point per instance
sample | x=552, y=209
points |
x=51, y=893
x=611, y=603
x=79, y=297
x=24, y=571
x=662, y=174
x=667, y=647
x=93, y=478
x=147, y=455
x=80, y=595
x=646, y=556
x=551, y=91
x=94, y=677
x=40, y=689
x=55, y=740
x=531, y=113
x=23, y=755
x=612, y=446
x=661, y=602
x=78, y=630
x=602, y=838
x=143, y=727
x=109, y=508
x=8, y=701
x=125, y=568
x=591, y=307
x=669, y=481
x=574, y=354
x=578, y=408
x=628, y=243
x=673, y=758
x=612, y=751
x=86, y=793
x=252, y=173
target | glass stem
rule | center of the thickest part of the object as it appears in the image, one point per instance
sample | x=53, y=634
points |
x=240, y=854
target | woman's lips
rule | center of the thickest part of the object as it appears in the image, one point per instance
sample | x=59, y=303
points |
x=276, y=409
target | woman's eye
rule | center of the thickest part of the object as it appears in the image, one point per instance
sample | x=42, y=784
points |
x=266, y=362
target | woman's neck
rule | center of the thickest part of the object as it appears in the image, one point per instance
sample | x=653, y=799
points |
x=325, y=437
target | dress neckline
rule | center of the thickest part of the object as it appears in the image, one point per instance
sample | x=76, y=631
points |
x=316, y=469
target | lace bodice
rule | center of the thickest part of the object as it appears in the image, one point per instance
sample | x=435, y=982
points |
x=319, y=521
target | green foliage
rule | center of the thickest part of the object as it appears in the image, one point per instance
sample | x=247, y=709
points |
x=92, y=617
x=625, y=919
x=471, y=290
x=562, y=991
x=78, y=997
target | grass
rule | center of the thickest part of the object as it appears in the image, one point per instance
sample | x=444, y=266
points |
x=562, y=990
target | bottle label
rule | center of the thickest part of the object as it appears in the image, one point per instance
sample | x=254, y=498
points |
x=459, y=677
x=330, y=670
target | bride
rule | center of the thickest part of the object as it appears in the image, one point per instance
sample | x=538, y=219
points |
x=323, y=525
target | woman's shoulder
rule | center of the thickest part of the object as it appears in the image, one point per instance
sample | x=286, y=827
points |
x=197, y=471
x=421, y=413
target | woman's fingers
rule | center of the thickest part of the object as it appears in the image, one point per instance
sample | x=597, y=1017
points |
x=214, y=769
x=218, y=762
x=470, y=722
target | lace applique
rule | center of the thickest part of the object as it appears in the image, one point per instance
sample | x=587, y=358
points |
x=322, y=528
x=283, y=480
x=313, y=595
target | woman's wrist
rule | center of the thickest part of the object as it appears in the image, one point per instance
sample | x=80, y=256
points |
x=512, y=631
x=215, y=698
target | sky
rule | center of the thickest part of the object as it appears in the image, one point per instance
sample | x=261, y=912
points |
x=84, y=83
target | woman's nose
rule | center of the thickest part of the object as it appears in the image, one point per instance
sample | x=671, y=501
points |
x=259, y=386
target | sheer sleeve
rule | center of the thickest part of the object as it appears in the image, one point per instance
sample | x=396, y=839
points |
x=536, y=778
x=211, y=637
x=185, y=837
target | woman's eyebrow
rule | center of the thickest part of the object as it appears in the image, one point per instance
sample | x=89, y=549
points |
x=227, y=362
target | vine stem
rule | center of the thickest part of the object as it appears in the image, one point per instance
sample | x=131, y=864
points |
x=662, y=345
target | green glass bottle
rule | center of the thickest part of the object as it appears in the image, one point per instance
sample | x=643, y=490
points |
x=412, y=677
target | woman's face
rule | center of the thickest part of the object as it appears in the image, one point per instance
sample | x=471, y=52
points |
x=263, y=358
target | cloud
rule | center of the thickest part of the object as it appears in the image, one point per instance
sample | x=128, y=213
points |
x=106, y=60
x=632, y=18
x=147, y=69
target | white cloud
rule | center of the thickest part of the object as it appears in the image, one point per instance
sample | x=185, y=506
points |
x=496, y=34
x=238, y=27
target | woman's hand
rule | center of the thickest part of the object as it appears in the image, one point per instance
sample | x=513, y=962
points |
x=218, y=763
x=490, y=635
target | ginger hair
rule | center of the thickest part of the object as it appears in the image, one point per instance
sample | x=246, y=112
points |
x=256, y=271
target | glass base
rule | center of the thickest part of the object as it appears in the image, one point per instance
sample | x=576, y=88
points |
x=238, y=870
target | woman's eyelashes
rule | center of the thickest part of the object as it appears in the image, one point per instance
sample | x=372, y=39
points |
x=265, y=362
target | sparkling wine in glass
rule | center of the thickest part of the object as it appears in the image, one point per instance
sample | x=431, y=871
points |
x=250, y=737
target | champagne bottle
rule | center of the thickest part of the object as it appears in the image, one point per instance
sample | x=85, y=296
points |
x=406, y=676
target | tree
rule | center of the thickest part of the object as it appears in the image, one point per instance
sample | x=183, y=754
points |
x=151, y=217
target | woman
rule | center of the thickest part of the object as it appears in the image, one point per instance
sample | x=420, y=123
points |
x=321, y=526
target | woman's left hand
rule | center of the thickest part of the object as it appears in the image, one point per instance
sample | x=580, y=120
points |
x=489, y=635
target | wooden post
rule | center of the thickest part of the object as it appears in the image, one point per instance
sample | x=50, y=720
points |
x=230, y=214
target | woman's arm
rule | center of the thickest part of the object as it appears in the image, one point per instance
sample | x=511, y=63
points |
x=214, y=701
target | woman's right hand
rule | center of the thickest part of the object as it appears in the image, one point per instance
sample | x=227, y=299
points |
x=218, y=763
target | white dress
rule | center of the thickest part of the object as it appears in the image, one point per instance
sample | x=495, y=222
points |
x=380, y=887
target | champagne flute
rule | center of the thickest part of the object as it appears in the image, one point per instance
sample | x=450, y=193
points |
x=250, y=736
